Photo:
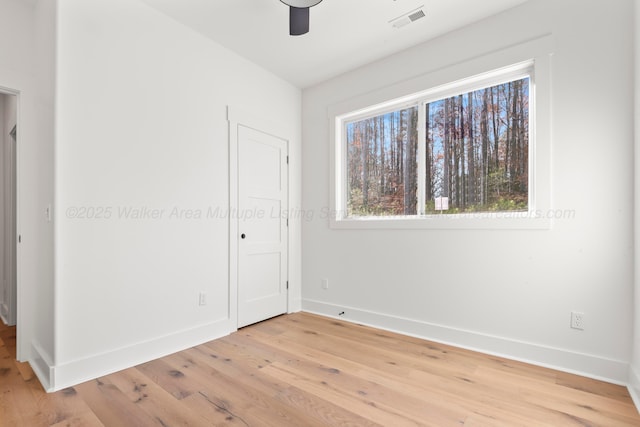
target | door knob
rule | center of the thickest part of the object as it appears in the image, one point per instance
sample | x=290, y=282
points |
x=243, y=235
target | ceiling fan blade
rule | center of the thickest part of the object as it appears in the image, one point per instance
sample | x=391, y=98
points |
x=298, y=20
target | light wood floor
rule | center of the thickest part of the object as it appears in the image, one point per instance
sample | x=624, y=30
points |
x=304, y=370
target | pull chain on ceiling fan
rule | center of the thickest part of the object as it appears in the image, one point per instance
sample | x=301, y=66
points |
x=299, y=15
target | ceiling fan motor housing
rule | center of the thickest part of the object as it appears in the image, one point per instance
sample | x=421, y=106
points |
x=301, y=3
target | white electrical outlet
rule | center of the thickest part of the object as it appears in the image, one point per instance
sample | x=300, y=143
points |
x=324, y=283
x=577, y=320
x=202, y=299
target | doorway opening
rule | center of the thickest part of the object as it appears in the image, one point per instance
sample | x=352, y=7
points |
x=9, y=134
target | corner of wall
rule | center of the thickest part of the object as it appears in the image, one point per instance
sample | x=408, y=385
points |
x=634, y=366
x=634, y=386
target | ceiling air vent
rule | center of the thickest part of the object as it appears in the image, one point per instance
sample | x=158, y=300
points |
x=408, y=18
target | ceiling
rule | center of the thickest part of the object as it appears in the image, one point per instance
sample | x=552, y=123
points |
x=345, y=34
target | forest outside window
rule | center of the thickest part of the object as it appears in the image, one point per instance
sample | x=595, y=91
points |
x=460, y=149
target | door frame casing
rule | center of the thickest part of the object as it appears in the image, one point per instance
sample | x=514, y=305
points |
x=237, y=117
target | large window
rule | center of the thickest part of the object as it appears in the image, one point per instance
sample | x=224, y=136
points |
x=463, y=148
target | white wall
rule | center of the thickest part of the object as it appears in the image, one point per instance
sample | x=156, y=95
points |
x=142, y=123
x=26, y=34
x=37, y=266
x=506, y=292
x=634, y=371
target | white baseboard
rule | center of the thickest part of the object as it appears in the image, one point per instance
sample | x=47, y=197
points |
x=75, y=372
x=613, y=371
x=42, y=366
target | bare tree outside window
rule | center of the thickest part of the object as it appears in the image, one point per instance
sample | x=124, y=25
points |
x=382, y=164
x=476, y=155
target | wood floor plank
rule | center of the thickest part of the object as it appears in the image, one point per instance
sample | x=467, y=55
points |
x=307, y=370
x=452, y=393
x=173, y=381
x=154, y=400
x=568, y=400
x=169, y=378
x=411, y=345
x=25, y=371
x=380, y=355
x=200, y=404
x=335, y=372
x=496, y=397
x=111, y=406
x=84, y=419
x=17, y=397
x=8, y=338
x=228, y=357
x=235, y=398
x=599, y=388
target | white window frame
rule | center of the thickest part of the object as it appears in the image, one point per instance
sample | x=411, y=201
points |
x=531, y=59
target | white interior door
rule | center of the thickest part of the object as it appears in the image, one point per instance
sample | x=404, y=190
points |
x=262, y=226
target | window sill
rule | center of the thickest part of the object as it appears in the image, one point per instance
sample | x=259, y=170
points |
x=470, y=221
